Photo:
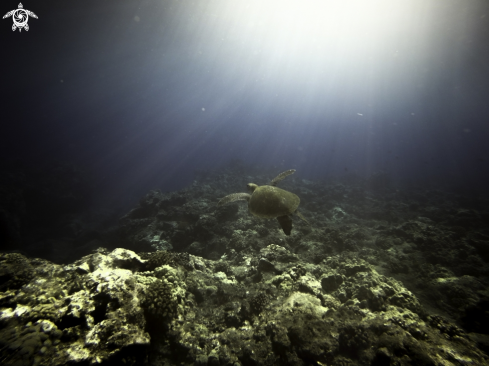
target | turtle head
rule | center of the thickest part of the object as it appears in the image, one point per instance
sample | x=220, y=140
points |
x=251, y=187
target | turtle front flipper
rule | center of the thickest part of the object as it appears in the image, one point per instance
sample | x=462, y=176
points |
x=286, y=223
x=234, y=197
x=281, y=176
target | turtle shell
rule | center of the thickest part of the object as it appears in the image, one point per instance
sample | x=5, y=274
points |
x=269, y=202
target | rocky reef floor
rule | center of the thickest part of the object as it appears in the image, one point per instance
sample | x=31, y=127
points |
x=382, y=276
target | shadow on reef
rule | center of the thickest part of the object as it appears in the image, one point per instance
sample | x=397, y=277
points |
x=48, y=210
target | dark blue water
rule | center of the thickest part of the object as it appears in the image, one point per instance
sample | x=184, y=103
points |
x=144, y=93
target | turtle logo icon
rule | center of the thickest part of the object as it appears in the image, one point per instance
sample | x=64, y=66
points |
x=20, y=17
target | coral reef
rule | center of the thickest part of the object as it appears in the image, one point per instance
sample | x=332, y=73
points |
x=108, y=308
x=381, y=277
x=90, y=311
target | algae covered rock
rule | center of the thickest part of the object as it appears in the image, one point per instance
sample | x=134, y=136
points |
x=92, y=311
x=166, y=308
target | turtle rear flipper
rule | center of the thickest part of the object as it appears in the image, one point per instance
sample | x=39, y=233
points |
x=303, y=218
x=281, y=176
x=286, y=223
x=234, y=197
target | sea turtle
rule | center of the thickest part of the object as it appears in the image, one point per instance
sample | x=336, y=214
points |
x=268, y=202
x=20, y=17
